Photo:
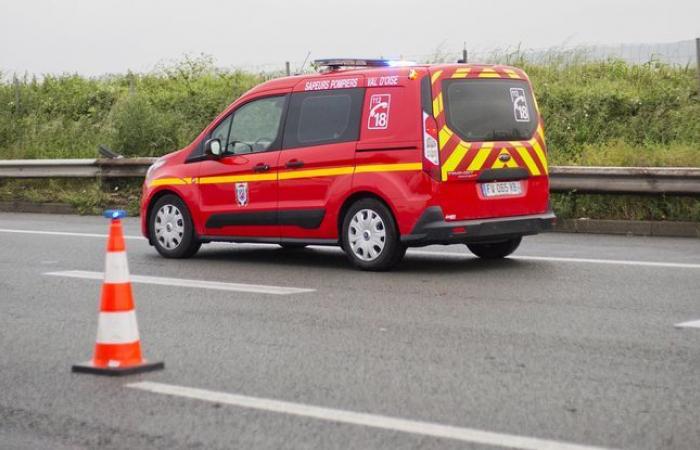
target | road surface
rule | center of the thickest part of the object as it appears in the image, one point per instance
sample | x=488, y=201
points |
x=572, y=342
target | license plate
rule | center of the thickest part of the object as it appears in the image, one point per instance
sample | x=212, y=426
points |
x=501, y=188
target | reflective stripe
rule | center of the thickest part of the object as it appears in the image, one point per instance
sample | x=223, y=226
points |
x=296, y=174
x=117, y=328
x=454, y=160
x=116, y=268
x=310, y=173
x=444, y=135
x=388, y=167
x=481, y=156
x=168, y=182
x=435, y=76
x=540, y=154
x=238, y=178
x=529, y=162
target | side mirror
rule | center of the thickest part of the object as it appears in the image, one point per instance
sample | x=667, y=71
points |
x=213, y=147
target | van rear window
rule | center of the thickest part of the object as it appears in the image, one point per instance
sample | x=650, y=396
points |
x=490, y=110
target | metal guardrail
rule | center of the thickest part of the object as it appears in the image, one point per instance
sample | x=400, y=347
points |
x=602, y=180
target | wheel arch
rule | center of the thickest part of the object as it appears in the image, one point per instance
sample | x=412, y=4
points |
x=153, y=200
x=360, y=195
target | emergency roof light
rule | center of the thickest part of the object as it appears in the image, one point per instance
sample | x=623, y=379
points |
x=335, y=63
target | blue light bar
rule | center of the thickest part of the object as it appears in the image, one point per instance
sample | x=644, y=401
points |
x=114, y=214
x=352, y=62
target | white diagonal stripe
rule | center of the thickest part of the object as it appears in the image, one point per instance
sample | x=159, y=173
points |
x=368, y=420
x=691, y=324
x=117, y=328
x=180, y=282
x=116, y=268
x=66, y=233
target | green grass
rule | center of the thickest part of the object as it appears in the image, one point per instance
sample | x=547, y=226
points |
x=601, y=114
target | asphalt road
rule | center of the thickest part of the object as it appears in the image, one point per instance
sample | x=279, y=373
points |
x=572, y=341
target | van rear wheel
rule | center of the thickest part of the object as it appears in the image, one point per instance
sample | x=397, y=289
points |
x=495, y=250
x=370, y=238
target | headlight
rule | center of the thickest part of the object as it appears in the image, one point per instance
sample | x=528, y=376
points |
x=159, y=162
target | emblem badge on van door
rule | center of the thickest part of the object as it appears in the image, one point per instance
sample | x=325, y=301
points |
x=504, y=157
x=242, y=194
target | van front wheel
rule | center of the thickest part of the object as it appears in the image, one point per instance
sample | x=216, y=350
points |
x=370, y=237
x=495, y=250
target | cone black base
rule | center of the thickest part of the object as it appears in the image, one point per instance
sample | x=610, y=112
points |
x=88, y=367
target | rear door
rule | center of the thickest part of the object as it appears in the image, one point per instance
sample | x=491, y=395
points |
x=238, y=192
x=492, y=156
x=317, y=160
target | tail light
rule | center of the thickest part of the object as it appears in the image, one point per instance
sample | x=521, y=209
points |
x=431, y=149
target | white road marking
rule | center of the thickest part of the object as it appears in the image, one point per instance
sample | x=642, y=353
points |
x=180, y=282
x=621, y=262
x=66, y=233
x=368, y=420
x=691, y=324
x=465, y=255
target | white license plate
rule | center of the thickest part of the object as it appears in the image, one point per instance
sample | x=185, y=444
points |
x=502, y=188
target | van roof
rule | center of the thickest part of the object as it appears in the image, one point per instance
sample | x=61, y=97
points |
x=291, y=81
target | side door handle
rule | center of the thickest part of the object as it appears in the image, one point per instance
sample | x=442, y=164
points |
x=294, y=164
x=261, y=167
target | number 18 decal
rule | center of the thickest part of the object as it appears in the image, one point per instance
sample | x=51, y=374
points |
x=379, y=111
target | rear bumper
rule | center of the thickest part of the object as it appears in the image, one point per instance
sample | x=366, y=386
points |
x=432, y=228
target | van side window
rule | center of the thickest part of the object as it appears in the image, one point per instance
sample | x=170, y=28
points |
x=323, y=117
x=255, y=126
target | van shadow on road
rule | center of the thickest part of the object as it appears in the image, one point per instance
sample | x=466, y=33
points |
x=327, y=259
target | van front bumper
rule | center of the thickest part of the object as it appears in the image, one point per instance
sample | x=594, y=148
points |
x=432, y=228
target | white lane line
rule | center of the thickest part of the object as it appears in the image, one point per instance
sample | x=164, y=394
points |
x=363, y=419
x=65, y=233
x=691, y=324
x=570, y=260
x=180, y=282
x=421, y=252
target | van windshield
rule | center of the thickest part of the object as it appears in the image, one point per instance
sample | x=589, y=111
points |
x=490, y=110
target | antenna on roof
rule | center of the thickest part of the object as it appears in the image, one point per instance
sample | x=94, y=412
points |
x=304, y=63
x=464, y=59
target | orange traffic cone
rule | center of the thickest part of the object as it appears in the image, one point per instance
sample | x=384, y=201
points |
x=118, y=347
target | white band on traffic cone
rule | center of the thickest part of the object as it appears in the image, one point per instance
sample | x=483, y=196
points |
x=117, y=328
x=116, y=268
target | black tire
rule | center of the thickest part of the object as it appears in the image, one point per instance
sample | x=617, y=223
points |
x=292, y=246
x=188, y=244
x=392, y=252
x=495, y=250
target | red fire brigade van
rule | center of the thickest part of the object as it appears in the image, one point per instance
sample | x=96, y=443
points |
x=370, y=155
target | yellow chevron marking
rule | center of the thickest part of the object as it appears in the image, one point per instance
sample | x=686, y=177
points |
x=238, y=178
x=489, y=75
x=462, y=72
x=437, y=105
x=540, y=154
x=454, y=159
x=498, y=164
x=540, y=132
x=444, y=135
x=527, y=158
x=311, y=173
x=435, y=76
x=168, y=182
x=512, y=73
x=481, y=156
x=401, y=167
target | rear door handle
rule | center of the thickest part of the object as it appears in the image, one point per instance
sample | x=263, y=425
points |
x=294, y=164
x=261, y=167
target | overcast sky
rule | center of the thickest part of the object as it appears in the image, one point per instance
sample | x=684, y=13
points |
x=106, y=36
